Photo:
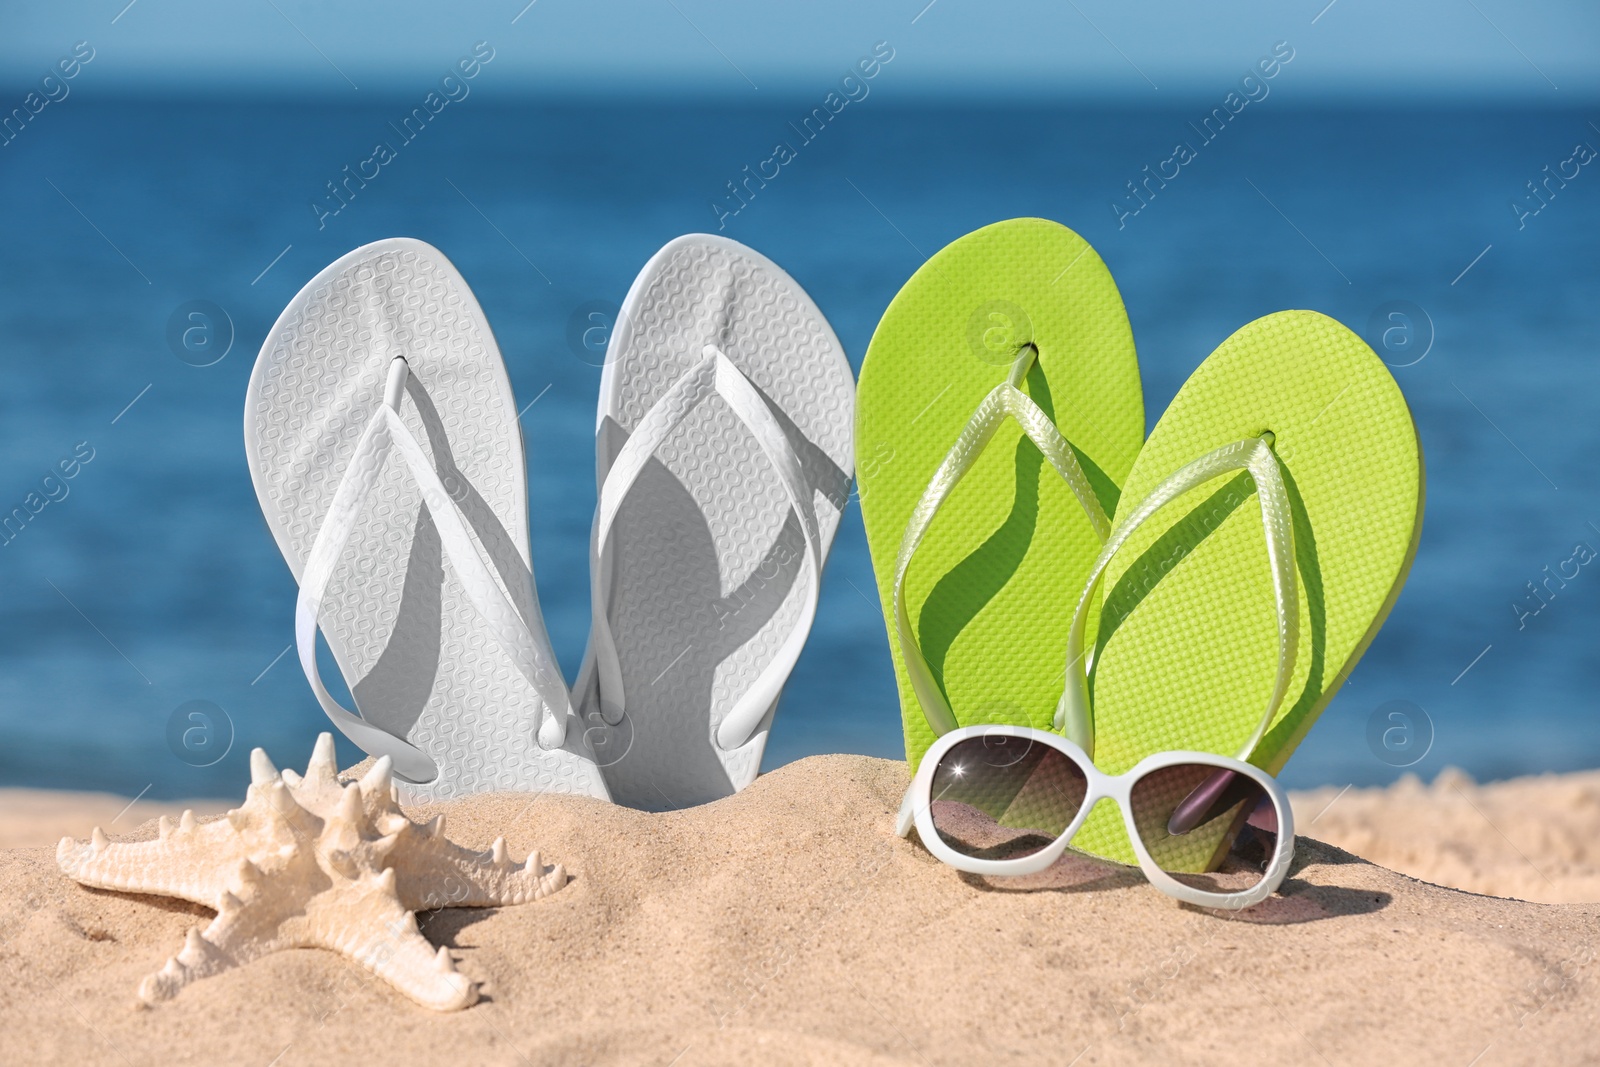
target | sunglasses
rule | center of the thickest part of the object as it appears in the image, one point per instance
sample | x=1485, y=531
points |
x=1008, y=800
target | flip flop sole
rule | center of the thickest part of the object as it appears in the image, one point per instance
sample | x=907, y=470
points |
x=417, y=657
x=1188, y=636
x=991, y=589
x=707, y=557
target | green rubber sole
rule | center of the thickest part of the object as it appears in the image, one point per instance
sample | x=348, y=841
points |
x=991, y=591
x=1188, y=642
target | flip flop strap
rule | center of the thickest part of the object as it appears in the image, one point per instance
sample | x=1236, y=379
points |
x=715, y=374
x=386, y=431
x=1005, y=401
x=1074, y=715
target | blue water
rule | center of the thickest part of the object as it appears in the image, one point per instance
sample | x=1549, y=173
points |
x=151, y=581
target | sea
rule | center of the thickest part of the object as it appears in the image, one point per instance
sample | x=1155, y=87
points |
x=148, y=244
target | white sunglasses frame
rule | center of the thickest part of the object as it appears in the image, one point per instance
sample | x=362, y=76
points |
x=916, y=811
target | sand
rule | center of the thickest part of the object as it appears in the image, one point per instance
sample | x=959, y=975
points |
x=787, y=925
x=1530, y=838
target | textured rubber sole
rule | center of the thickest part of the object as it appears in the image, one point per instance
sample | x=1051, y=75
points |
x=1188, y=639
x=707, y=555
x=413, y=650
x=992, y=588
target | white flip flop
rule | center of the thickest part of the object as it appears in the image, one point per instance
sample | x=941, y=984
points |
x=724, y=451
x=386, y=453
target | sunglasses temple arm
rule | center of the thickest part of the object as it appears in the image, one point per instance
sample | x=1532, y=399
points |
x=908, y=812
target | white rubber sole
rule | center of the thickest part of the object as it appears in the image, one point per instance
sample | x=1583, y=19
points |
x=708, y=555
x=418, y=659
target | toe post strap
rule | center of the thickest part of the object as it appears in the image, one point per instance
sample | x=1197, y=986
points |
x=386, y=433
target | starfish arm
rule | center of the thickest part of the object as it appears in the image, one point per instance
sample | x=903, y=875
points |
x=244, y=930
x=368, y=925
x=441, y=874
x=436, y=872
x=193, y=861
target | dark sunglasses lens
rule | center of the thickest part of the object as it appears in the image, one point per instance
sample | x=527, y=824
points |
x=1210, y=828
x=1002, y=798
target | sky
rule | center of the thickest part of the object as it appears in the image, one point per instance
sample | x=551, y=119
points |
x=1526, y=51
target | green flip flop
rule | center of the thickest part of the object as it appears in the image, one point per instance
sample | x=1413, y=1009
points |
x=1261, y=538
x=1000, y=392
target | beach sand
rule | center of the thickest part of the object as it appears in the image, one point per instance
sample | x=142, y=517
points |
x=1530, y=838
x=788, y=925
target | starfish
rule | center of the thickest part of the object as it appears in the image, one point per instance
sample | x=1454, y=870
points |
x=307, y=862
